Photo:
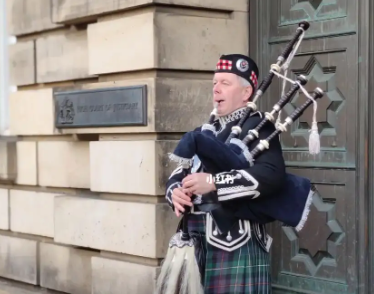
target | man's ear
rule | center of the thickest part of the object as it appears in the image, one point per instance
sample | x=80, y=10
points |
x=248, y=93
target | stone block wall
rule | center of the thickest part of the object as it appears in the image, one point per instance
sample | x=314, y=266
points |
x=82, y=210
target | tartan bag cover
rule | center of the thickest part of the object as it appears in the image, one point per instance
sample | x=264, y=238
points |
x=245, y=270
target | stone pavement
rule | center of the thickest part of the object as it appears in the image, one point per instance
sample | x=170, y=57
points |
x=11, y=287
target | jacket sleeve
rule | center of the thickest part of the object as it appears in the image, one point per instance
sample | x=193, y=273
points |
x=175, y=181
x=263, y=178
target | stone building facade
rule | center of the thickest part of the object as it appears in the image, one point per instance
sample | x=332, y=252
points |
x=82, y=209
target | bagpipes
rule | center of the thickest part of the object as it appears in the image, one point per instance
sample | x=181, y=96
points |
x=293, y=200
x=290, y=206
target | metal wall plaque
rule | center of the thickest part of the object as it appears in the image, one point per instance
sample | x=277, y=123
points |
x=122, y=106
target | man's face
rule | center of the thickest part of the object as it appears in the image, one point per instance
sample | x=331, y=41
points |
x=229, y=93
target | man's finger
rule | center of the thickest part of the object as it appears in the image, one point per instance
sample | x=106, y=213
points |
x=187, y=192
x=178, y=207
x=194, y=189
x=182, y=201
x=188, y=184
x=180, y=194
x=188, y=178
x=191, y=187
x=180, y=197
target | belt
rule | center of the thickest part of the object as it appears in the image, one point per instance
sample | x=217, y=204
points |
x=204, y=208
x=223, y=217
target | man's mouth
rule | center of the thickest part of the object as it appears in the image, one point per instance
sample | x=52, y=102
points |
x=219, y=101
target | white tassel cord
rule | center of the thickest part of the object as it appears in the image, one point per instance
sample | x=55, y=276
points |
x=314, y=139
x=285, y=69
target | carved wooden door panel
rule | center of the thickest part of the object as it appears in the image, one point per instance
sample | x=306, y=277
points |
x=323, y=257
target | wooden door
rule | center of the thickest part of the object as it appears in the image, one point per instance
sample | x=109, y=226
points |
x=330, y=255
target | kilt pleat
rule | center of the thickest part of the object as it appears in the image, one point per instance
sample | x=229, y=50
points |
x=245, y=270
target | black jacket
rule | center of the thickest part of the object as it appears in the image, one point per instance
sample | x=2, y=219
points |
x=264, y=178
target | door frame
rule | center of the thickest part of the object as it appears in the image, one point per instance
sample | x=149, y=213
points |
x=365, y=148
x=370, y=146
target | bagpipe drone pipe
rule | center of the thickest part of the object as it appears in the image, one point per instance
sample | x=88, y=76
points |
x=290, y=205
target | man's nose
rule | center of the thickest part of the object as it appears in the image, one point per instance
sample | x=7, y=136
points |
x=216, y=89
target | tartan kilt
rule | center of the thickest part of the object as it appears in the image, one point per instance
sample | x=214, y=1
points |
x=245, y=270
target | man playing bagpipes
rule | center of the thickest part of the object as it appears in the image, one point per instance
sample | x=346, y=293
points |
x=246, y=269
x=231, y=181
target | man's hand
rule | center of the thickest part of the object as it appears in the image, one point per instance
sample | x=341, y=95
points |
x=180, y=197
x=199, y=183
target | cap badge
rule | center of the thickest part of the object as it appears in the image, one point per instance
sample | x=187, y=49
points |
x=242, y=65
